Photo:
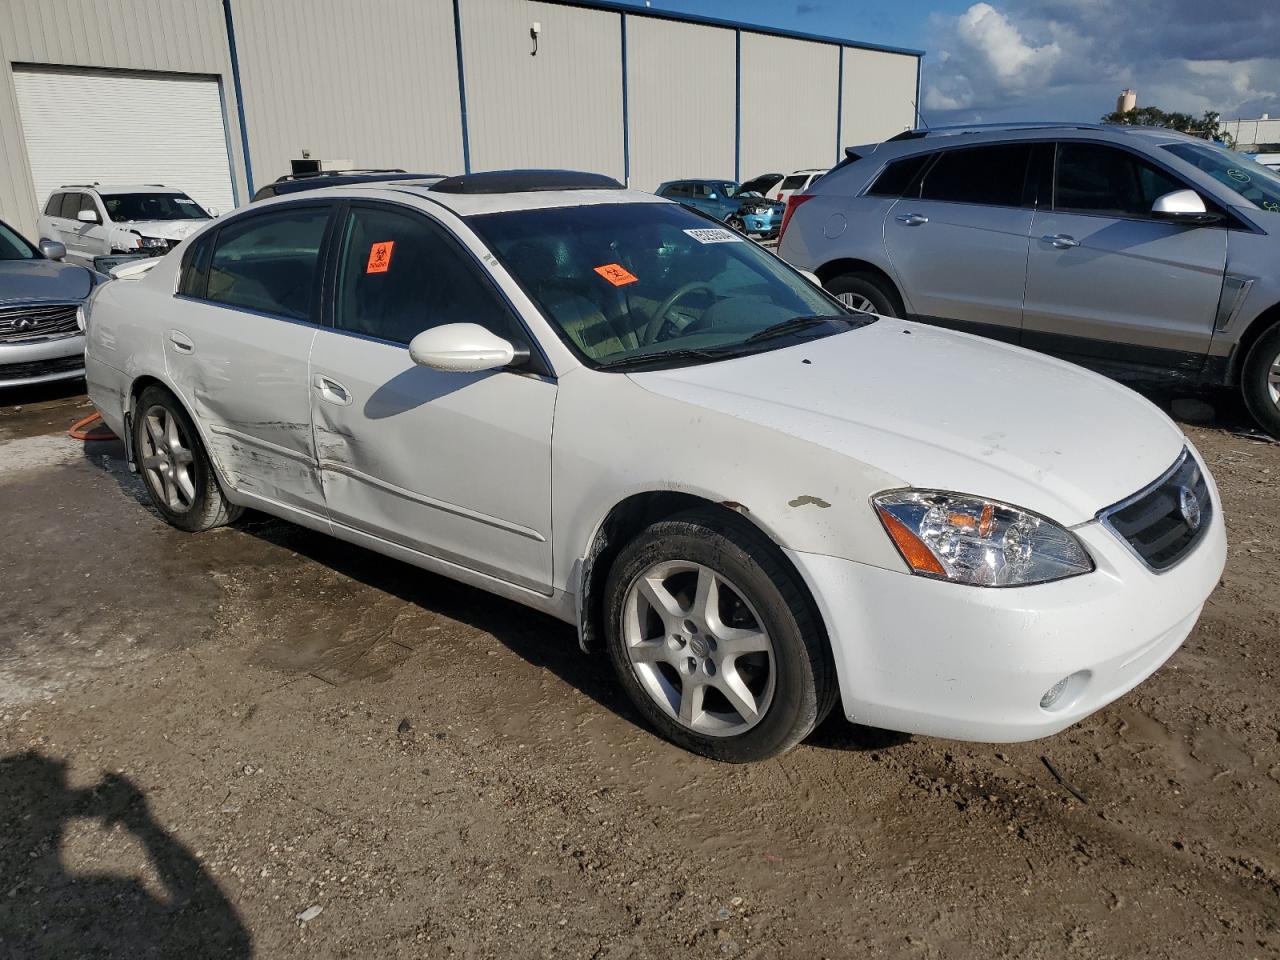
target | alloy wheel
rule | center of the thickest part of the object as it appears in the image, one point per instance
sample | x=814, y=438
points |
x=698, y=648
x=856, y=301
x=1273, y=380
x=167, y=460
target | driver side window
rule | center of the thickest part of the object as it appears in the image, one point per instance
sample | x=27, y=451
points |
x=399, y=274
x=1094, y=178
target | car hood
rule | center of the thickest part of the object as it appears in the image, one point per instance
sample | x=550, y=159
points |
x=944, y=410
x=166, y=229
x=23, y=280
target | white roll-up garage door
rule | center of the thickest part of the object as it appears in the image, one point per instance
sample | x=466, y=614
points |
x=111, y=126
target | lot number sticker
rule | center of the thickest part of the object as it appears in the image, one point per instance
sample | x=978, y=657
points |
x=617, y=274
x=380, y=257
x=714, y=235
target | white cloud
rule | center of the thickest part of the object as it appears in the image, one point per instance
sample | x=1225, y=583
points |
x=990, y=34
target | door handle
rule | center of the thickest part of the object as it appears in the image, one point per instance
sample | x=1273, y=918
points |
x=1061, y=241
x=332, y=390
x=912, y=219
x=181, y=342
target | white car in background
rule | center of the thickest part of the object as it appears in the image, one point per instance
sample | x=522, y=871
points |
x=602, y=405
x=797, y=182
x=1269, y=160
x=98, y=220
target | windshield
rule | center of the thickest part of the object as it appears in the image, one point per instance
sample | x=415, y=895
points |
x=634, y=284
x=1251, y=180
x=12, y=246
x=124, y=207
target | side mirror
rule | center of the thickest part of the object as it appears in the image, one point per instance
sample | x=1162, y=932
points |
x=53, y=249
x=212, y=211
x=463, y=348
x=1183, y=206
x=87, y=216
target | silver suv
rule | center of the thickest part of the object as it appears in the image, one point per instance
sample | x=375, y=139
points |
x=1142, y=252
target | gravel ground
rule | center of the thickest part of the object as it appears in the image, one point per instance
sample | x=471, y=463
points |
x=262, y=742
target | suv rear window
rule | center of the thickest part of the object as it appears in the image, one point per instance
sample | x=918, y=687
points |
x=54, y=207
x=990, y=176
x=794, y=182
x=898, y=176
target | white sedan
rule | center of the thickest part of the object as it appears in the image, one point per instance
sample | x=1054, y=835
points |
x=602, y=405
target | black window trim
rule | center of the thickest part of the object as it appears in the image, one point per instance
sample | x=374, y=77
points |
x=538, y=365
x=326, y=240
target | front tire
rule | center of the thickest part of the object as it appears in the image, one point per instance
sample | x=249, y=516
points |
x=715, y=641
x=861, y=291
x=737, y=223
x=174, y=465
x=1260, y=381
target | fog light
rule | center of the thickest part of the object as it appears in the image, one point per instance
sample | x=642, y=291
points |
x=1054, y=693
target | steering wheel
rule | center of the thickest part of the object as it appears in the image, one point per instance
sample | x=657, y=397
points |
x=659, y=318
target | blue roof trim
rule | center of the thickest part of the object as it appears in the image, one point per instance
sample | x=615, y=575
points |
x=612, y=6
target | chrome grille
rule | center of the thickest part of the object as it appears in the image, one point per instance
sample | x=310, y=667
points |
x=1162, y=523
x=37, y=321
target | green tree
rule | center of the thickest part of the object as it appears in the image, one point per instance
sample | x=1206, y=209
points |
x=1206, y=126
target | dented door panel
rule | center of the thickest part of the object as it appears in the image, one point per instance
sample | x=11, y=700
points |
x=244, y=376
x=455, y=465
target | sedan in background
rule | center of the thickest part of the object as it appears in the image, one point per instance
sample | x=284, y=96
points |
x=40, y=299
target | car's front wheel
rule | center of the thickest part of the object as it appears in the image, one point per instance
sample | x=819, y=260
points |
x=175, y=467
x=714, y=640
x=737, y=223
x=1260, y=381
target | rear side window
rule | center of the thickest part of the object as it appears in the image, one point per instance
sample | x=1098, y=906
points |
x=794, y=182
x=898, y=176
x=70, y=205
x=989, y=176
x=399, y=274
x=1094, y=178
x=269, y=263
x=194, y=279
x=53, y=208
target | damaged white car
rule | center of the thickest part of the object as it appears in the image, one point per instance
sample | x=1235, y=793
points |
x=96, y=221
x=602, y=405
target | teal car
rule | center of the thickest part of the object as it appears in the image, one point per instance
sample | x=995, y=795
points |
x=746, y=213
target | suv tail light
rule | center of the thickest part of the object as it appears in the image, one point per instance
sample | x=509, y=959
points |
x=793, y=204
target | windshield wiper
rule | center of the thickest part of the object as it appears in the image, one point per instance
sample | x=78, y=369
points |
x=795, y=325
x=666, y=355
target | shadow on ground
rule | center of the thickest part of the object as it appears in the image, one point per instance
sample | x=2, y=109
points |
x=51, y=909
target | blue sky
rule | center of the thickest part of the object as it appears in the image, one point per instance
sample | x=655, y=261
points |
x=1053, y=59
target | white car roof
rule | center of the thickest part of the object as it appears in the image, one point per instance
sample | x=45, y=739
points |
x=108, y=188
x=468, y=204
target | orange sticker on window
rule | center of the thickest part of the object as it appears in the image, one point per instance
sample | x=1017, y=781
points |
x=617, y=274
x=380, y=257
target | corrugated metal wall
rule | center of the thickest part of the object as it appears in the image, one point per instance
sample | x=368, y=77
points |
x=682, y=93
x=182, y=36
x=561, y=108
x=879, y=95
x=376, y=84
x=789, y=94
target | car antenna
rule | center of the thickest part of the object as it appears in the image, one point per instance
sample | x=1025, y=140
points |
x=919, y=115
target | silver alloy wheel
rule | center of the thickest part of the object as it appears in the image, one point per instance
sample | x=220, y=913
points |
x=1273, y=380
x=167, y=460
x=698, y=648
x=856, y=301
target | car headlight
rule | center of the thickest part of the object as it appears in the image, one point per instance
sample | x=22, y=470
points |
x=153, y=243
x=964, y=539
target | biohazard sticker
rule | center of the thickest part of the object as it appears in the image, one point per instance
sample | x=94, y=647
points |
x=380, y=257
x=617, y=274
x=714, y=235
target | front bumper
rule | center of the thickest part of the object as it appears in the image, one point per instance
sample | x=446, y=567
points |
x=41, y=361
x=765, y=226
x=971, y=663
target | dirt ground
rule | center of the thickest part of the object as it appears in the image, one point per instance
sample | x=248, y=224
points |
x=262, y=742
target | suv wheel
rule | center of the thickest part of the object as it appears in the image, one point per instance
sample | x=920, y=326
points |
x=175, y=468
x=1260, y=381
x=860, y=291
x=713, y=640
x=737, y=223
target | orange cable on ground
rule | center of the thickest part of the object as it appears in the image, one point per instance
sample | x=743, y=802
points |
x=80, y=429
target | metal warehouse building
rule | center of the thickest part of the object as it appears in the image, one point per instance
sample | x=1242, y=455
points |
x=218, y=96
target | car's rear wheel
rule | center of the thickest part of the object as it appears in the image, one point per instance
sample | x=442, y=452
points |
x=860, y=291
x=1260, y=381
x=714, y=640
x=175, y=467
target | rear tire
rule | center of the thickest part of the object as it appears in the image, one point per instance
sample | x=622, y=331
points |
x=1260, y=381
x=737, y=223
x=174, y=466
x=862, y=291
x=714, y=639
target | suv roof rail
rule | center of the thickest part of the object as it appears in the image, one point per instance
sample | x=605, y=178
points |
x=962, y=128
x=358, y=171
x=68, y=186
x=525, y=181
